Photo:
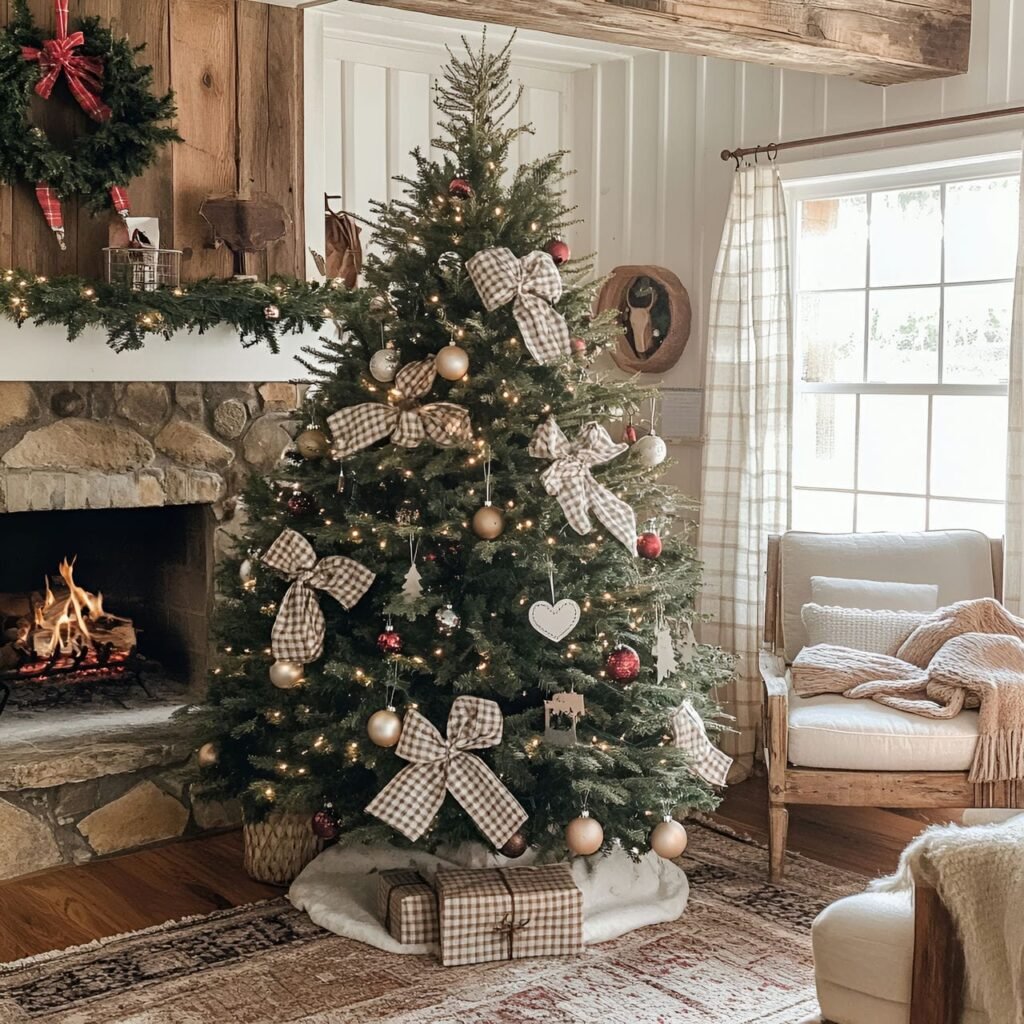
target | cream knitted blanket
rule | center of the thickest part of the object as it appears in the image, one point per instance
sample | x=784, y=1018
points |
x=968, y=655
x=979, y=875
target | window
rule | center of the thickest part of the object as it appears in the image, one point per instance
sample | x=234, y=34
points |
x=903, y=300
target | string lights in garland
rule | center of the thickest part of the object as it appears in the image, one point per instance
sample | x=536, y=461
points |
x=129, y=317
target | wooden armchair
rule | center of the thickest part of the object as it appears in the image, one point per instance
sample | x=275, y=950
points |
x=831, y=750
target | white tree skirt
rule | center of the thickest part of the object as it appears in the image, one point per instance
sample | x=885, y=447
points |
x=339, y=889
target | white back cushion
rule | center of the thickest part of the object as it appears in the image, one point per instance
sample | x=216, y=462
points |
x=897, y=597
x=958, y=562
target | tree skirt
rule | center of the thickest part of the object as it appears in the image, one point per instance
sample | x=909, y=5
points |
x=339, y=889
x=740, y=954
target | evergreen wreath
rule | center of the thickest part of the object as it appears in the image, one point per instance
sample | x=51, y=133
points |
x=101, y=72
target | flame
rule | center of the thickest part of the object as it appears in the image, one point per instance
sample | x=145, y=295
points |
x=71, y=623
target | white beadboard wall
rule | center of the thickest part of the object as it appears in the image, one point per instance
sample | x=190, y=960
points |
x=645, y=129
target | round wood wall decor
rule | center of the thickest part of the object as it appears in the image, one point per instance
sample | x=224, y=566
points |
x=654, y=309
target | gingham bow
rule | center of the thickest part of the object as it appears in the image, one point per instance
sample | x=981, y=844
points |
x=690, y=734
x=438, y=766
x=569, y=478
x=299, y=629
x=84, y=74
x=534, y=283
x=407, y=424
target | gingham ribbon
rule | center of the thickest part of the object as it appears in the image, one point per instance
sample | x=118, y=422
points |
x=569, y=478
x=299, y=629
x=690, y=734
x=406, y=423
x=534, y=283
x=438, y=766
x=84, y=74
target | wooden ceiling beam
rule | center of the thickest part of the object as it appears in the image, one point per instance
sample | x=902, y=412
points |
x=883, y=42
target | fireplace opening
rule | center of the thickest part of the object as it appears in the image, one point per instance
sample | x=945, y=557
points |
x=104, y=600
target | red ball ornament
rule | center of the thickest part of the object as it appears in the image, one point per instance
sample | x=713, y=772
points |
x=389, y=642
x=623, y=664
x=459, y=188
x=629, y=434
x=648, y=545
x=559, y=251
x=301, y=504
x=578, y=346
x=325, y=823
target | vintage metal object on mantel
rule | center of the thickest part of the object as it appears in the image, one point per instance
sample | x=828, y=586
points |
x=246, y=224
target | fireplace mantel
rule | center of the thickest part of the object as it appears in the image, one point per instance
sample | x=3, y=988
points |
x=43, y=353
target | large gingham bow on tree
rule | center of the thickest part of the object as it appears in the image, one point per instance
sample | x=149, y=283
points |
x=299, y=629
x=406, y=423
x=534, y=283
x=438, y=766
x=569, y=478
x=690, y=734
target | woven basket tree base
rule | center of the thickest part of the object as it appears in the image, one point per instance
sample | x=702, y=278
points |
x=279, y=847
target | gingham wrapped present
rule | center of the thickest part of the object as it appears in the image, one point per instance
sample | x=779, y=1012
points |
x=508, y=913
x=407, y=906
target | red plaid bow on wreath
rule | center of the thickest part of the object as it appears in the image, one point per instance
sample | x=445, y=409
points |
x=84, y=76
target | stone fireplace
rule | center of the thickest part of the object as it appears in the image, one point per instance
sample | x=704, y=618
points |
x=141, y=482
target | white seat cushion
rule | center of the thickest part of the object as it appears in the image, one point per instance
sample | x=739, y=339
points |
x=863, y=960
x=833, y=731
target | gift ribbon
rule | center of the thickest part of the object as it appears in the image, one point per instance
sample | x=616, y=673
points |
x=406, y=423
x=690, y=734
x=410, y=801
x=569, y=478
x=300, y=628
x=508, y=924
x=531, y=284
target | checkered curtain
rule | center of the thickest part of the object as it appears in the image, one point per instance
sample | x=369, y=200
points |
x=748, y=432
x=1013, y=541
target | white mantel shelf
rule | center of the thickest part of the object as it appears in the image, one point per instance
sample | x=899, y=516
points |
x=42, y=353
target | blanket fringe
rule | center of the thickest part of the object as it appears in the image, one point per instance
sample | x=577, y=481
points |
x=999, y=756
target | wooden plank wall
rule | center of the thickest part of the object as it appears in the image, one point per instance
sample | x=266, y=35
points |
x=236, y=69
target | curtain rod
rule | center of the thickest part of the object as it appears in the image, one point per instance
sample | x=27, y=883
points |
x=774, y=148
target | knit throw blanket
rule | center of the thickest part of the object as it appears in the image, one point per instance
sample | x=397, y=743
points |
x=968, y=655
x=979, y=875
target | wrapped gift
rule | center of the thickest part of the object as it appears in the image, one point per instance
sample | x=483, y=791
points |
x=407, y=906
x=508, y=913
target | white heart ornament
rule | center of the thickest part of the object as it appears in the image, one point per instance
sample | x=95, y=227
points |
x=555, y=622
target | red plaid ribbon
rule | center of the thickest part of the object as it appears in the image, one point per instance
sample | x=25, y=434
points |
x=84, y=74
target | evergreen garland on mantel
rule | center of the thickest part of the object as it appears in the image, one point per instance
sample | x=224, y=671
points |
x=260, y=312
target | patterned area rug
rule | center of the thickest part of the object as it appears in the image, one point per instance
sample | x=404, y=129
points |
x=741, y=953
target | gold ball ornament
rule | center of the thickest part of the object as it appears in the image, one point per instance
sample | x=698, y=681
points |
x=207, y=755
x=584, y=835
x=452, y=362
x=515, y=846
x=384, y=365
x=286, y=675
x=650, y=450
x=313, y=443
x=489, y=522
x=669, y=839
x=384, y=727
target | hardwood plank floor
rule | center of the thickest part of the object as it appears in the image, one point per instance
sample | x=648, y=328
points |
x=68, y=906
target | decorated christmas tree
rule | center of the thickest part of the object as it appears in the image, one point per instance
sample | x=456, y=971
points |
x=442, y=624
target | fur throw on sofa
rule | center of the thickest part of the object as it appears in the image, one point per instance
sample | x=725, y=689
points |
x=979, y=875
x=967, y=655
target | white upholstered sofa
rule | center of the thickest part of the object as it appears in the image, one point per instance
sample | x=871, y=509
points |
x=833, y=750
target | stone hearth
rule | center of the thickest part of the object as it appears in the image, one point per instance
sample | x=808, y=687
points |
x=82, y=781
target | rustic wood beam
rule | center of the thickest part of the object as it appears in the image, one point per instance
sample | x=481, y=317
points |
x=878, y=41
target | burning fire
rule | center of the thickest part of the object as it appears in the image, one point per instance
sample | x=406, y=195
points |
x=67, y=618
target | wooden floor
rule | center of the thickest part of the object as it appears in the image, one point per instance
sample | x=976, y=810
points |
x=71, y=905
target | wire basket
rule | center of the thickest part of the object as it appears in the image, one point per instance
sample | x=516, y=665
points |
x=143, y=270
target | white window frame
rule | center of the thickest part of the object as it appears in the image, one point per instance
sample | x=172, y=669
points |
x=936, y=164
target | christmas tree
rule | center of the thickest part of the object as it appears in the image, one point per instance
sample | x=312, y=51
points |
x=457, y=523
